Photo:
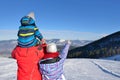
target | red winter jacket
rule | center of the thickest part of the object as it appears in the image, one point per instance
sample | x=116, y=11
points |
x=27, y=61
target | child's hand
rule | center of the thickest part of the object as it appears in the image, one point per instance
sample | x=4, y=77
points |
x=43, y=41
x=69, y=42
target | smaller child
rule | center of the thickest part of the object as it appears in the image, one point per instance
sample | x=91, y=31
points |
x=51, y=66
x=28, y=34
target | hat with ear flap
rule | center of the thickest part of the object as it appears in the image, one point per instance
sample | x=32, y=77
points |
x=51, y=48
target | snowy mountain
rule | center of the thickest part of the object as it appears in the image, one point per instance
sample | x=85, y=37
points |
x=104, y=47
x=75, y=69
x=6, y=46
x=75, y=43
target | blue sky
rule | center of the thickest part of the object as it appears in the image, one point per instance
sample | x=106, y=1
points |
x=65, y=19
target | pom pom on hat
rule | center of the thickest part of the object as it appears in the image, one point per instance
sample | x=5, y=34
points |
x=31, y=14
x=51, y=48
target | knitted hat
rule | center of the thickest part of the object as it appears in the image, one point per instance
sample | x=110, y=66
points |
x=31, y=14
x=28, y=20
x=51, y=48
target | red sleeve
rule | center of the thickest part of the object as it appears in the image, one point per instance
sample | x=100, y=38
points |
x=40, y=52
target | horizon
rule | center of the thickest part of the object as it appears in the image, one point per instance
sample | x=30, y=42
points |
x=49, y=32
x=62, y=38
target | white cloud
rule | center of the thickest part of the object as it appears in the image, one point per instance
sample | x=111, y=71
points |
x=57, y=34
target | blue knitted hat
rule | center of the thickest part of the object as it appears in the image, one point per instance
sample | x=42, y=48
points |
x=28, y=20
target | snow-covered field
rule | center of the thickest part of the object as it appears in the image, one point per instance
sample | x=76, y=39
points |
x=75, y=69
x=116, y=58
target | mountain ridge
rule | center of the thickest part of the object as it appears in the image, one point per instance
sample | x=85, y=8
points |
x=104, y=47
x=8, y=45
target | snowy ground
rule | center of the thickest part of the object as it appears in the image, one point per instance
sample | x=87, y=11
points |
x=75, y=69
x=92, y=69
x=116, y=58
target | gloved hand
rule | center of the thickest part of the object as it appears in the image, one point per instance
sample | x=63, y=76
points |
x=43, y=41
x=68, y=41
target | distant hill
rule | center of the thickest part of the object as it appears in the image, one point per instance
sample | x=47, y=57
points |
x=104, y=47
x=6, y=46
x=75, y=43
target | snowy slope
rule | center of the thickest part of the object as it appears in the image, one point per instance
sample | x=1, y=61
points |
x=116, y=58
x=75, y=69
x=91, y=69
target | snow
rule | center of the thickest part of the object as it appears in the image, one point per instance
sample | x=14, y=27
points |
x=8, y=69
x=75, y=69
x=61, y=40
x=116, y=57
x=92, y=69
